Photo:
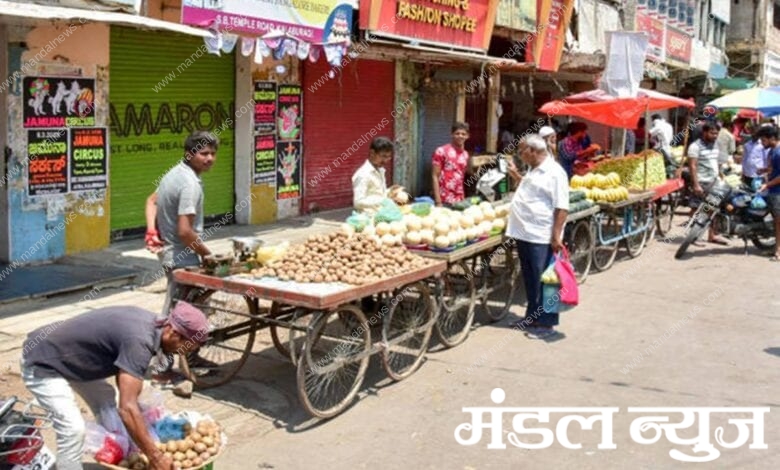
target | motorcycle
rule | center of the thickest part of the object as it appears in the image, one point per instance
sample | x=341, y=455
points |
x=21, y=442
x=738, y=214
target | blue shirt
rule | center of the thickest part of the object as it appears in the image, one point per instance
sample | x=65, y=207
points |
x=774, y=157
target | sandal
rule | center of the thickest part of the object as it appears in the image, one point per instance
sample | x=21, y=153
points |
x=718, y=241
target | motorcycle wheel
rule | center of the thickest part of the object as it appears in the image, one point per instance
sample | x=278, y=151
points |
x=764, y=243
x=697, y=226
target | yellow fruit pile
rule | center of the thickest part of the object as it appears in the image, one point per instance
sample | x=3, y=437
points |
x=600, y=188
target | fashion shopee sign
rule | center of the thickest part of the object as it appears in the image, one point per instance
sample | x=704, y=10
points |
x=463, y=24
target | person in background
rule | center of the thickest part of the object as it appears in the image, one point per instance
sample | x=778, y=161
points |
x=551, y=138
x=769, y=138
x=174, y=213
x=570, y=149
x=537, y=217
x=662, y=133
x=369, y=187
x=727, y=145
x=79, y=354
x=704, y=169
x=506, y=140
x=754, y=160
x=449, y=167
x=630, y=142
x=640, y=134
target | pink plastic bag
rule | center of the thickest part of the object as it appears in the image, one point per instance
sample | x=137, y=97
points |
x=570, y=291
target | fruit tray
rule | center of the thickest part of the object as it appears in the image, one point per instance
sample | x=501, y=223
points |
x=420, y=247
x=449, y=249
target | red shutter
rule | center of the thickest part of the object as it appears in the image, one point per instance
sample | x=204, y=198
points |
x=338, y=112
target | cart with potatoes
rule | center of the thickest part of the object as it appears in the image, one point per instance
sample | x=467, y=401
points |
x=328, y=330
x=483, y=272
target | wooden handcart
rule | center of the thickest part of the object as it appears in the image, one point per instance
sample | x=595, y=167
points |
x=483, y=271
x=580, y=239
x=332, y=336
x=630, y=220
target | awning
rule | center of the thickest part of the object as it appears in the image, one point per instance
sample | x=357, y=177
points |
x=26, y=12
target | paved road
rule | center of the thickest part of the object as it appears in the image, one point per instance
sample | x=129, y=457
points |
x=650, y=332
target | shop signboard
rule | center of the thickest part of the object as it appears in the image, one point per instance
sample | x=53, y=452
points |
x=656, y=31
x=678, y=46
x=313, y=21
x=289, y=142
x=546, y=47
x=461, y=24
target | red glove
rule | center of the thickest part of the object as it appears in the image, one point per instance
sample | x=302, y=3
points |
x=153, y=241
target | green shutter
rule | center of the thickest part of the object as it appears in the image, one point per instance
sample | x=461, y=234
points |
x=148, y=126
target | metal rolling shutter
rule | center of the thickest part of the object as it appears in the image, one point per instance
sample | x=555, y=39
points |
x=146, y=142
x=439, y=111
x=337, y=112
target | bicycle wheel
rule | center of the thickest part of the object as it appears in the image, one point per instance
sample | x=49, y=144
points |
x=230, y=340
x=456, y=306
x=664, y=213
x=497, y=275
x=406, y=330
x=292, y=347
x=333, y=361
x=581, y=244
x=604, y=255
x=636, y=218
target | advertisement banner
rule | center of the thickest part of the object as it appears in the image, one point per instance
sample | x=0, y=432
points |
x=47, y=165
x=461, y=24
x=265, y=107
x=265, y=159
x=312, y=20
x=519, y=15
x=552, y=23
x=678, y=45
x=58, y=102
x=656, y=32
x=88, y=157
x=288, y=173
x=289, y=147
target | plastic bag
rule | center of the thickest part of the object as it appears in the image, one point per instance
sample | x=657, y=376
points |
x=388, y=212
x=170, y=428
x=569, y=291
x=105, y=446
x=152, y=405
x=758, y=202
x=358, y=221
x=549, y=276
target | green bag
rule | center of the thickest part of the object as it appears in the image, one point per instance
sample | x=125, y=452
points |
x=388, y=212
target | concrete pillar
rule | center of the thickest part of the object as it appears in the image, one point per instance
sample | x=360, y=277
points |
x=4, y=218
x=244, y=157
x=494, y=95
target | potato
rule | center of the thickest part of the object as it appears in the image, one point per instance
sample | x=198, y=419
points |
x=205, y=456
x=197, y=462
x=168, y=454
x=195, y=437
x=179, y=456
x=212, y=450
x=186, y=464
x=161, y=446
x=191, y=454
x=172, y=446
x=200, y=447
x=176, y=465
x=181, y=446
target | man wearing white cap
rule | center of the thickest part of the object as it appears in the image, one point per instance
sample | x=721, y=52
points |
x=548, y=134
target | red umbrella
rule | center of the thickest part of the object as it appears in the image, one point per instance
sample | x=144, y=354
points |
x=598, y=106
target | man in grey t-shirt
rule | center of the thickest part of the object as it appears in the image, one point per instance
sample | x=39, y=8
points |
x=174, y=213
x=703, y=157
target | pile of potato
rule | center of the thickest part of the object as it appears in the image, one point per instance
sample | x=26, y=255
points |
x=200, y=444
x=342, y=257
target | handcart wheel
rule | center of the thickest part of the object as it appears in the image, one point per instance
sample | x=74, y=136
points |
x=497, y=281
x=295, y=316
x=406, y=330
x=581, y=244
x=664, y=213
x=637, y=217
x=604, y=255
x=333, y=360
x=230, y=339
x=456, y=306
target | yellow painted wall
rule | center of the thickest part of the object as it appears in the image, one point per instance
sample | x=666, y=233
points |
x=264, y=206
x=89, y=227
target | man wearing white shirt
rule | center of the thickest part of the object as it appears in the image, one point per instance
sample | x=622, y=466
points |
x=663, y=133
x=536, y=220
x=369, y=188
